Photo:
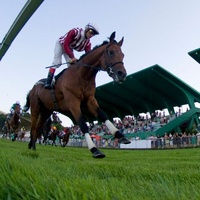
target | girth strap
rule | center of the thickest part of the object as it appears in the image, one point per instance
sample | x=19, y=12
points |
x=54, y=99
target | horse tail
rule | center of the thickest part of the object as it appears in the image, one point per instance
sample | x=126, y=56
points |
x=27, y=105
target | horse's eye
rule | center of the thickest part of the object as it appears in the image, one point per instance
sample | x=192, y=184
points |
x=111, y=52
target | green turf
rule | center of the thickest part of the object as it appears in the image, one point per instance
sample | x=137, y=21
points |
x=72, y=173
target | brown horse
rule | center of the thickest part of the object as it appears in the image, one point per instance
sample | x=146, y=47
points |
x=74, y=91
x=5, y=130
x=51, y=136
x=13, y=124
x=21, y=135
x=64, y=138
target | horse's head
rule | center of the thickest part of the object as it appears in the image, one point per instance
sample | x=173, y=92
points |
x=17, y=109
x=113, y=60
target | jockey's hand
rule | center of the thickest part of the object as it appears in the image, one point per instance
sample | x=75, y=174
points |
x=73, y=60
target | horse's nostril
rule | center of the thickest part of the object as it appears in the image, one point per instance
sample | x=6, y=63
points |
x=121, y=74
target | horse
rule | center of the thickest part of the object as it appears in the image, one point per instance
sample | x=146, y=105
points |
x=13, y=124
x=21, y=135
x=51, y=136
x=74, y=92
x=64, y=138
x=5, y=130
x=44, y=130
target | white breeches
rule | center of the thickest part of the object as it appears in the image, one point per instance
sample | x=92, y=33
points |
x=58, y=52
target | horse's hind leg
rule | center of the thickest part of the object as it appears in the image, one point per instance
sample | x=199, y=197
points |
x=34, y=129
x=37, y=120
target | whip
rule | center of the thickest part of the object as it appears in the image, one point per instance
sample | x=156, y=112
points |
x=57, y=66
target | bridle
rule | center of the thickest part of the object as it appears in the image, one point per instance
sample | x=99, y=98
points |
x=108, y=66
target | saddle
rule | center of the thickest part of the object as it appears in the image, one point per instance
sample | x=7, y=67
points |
x=55, y=78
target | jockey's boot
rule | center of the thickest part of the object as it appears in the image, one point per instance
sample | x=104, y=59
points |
x=49, y=78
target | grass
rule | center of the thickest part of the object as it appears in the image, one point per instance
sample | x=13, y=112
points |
x=71, y=173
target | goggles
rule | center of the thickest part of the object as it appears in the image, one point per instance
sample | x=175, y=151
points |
x=92, y=32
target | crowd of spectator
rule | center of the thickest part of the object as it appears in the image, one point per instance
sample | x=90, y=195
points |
x=130, y=124
x=134, y=126
x=140, y=124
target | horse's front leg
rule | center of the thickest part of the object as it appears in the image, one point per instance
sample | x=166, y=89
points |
x=54, y=142
x=91, y=146
x=76, y=112
x=99, y=113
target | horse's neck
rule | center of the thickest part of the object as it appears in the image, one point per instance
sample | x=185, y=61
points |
x=17, y=108
x=94, y=57
x=15, y=116
x=14, y=119
x=91, y=63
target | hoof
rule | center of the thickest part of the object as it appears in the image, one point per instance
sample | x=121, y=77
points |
x=124, y=140
x=98, y=154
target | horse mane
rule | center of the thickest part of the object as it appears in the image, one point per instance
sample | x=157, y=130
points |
x=95, y=47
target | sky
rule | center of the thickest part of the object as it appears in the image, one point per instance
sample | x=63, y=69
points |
x=155, y=32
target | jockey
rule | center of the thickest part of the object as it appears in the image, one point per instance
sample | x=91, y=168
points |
x=55, y=118
x=23, y=129
x=63, y=132
x=12, y=109
x=53, y=128
x=76, y=39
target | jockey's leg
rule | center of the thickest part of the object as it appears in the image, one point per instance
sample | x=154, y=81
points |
x=50, y=78
x=114, y=131
x=9, y=116
x=57, y=60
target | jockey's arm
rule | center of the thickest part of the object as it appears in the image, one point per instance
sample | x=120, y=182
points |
x=66, y=45
x=88, y=48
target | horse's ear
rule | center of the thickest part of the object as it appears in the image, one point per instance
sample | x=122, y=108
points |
x=112, y=37
x=121, y=42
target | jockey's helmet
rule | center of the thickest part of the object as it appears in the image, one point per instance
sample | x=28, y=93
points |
x=93, y=27
x=17, y=102
x=54, y=128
